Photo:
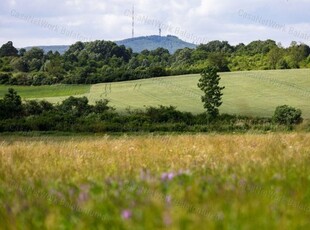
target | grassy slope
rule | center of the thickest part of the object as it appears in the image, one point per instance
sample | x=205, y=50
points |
x=247, y=93
x=28, y=92
x=231, y=182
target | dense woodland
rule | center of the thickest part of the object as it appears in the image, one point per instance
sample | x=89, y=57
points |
x=104, y=61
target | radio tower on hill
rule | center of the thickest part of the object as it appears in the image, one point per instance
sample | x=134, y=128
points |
x=133, y=21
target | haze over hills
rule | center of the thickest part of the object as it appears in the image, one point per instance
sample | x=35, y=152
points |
x=171, y=43
x=60, y=48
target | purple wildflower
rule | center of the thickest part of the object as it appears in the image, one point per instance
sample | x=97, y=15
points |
x=167, y=176
x=168, y=199
x=83, y=197
x=126, y=214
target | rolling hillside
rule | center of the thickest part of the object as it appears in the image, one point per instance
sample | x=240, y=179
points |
x=171, y=43
x=137, y=44
x=248, y=93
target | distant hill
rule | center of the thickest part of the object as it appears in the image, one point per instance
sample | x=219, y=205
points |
x=61, y=49
x=171, y=43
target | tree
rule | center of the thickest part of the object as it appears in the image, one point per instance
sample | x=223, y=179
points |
x=297, y=53
x=55, y=68
x=75, y=106
x=216, y=46
x=219, y=61
x=274, y=56
x=22, y=52
x=101, y=106
x=11, y=105
x=20, y=65
x=286, y=115
x=34, y=53
x=5, y=78
x=37, y=107
x=8, y=49
x=209, y=84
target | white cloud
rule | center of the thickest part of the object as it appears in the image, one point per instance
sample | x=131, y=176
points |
x=188, y=19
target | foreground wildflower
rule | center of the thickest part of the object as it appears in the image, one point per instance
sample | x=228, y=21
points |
x=126, y=214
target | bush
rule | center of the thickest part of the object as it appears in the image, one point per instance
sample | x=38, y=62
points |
x=286, y=115
x=5, y=78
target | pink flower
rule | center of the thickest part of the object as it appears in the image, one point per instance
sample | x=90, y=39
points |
x=168, y=199
x=167, y=176
x=126, y=214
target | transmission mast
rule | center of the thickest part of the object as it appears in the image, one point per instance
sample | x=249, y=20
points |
x=133, y=21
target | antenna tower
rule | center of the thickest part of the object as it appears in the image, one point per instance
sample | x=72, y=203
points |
x=133, y=21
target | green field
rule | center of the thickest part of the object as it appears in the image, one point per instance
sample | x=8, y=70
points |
x=255, y=93
x=155, y=182
x=31, y=92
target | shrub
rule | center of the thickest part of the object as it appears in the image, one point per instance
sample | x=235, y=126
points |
x=286, y=115
x=5, y=78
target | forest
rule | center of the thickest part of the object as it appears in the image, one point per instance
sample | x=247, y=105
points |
x=105, y=61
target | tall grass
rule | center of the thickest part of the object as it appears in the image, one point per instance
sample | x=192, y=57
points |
x=155, y=182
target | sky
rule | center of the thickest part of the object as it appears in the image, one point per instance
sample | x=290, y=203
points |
x=63, y=22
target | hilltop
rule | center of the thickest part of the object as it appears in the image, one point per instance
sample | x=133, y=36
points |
x=171, y=43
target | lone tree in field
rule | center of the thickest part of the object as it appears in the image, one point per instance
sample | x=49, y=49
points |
x=209, y=84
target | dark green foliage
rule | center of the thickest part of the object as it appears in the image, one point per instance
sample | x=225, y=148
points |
x=8, y=50
x=75, y=106
x=105, y=61
x=209, y=84
x=165, y=114
x=216, y=46
x=219, y=61
x=34, y=53
x=101, y=106
x=22, y=52
x=11, y=105
x=5, y=78
x=282, y=64
x=286, y=115
x=76, y=115
x=157, y=71
x=37, y=107
x=257, y=47
x=275, y=55
x=19, y=64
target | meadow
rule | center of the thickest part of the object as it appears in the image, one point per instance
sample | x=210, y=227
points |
x=253, y=93
x=246, y=181
x=32, y=92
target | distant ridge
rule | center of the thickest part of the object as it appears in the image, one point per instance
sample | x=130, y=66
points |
x=61, y=48
x=138, y=44
x=171, y=43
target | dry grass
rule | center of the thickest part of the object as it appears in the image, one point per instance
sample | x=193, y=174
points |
x=227, y=182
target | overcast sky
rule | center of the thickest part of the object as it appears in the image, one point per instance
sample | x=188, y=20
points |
x=56, y=22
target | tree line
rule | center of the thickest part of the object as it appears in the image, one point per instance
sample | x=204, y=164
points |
x=105, y=61
x=77, y=115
